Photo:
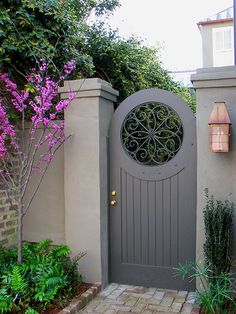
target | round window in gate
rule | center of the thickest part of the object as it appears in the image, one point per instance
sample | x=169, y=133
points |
x=152, y=134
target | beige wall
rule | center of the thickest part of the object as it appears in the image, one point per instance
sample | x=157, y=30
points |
x=46, y=216
x=72, y=203
x=216, y=171
x=207, y=42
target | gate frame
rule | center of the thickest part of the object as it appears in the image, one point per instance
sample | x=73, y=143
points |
x=186, y=117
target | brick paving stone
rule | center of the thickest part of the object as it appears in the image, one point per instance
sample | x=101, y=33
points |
x=87, y=310
x=114, y=302
x=121, y=312
x=187, y=309
x=153, y=301
x=138, y=308
x=159, y=295
x=160, y=312
x=113, y=295
x=140, y=290
x=167, y=301
x=143, y=301
x=177, y=306
x=153, y=307
x=137, y=295
x=151, y=291
x=101, y=308
x=168, y=290
x=170, y=294
x=116, y=293
x=121, y=308
x=182, y=293
x=179, y=299
x=131, y=301
x=123, y=297
x=108, y=290
x=120, y=299
x=163, y=309
x=94, y=303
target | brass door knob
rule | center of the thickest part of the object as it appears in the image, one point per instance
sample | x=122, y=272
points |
x=113, y=202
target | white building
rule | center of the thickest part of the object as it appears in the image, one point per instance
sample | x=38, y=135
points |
x=217, y=39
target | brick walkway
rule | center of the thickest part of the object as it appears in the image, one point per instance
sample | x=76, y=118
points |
x=120, y=299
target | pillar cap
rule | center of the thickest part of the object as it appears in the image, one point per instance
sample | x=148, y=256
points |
x=214, y=77
x=92, y=87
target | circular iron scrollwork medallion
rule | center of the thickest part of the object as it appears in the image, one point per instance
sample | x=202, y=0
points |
x=152, y=134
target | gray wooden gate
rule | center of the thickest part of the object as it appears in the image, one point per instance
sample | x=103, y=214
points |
x=152, y=190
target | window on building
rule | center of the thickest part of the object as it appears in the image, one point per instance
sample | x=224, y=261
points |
x=223, y=54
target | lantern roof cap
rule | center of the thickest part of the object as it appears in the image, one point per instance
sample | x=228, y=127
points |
x=219, y=114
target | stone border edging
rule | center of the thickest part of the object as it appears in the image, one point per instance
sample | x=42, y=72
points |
x=82, y=300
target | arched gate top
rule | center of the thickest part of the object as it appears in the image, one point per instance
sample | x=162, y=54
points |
x=175, y=139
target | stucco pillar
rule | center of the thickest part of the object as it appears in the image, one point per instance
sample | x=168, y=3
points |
x=215, y=171
x=86, y=174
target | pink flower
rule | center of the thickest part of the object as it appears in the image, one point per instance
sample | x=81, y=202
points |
x=9, y=84
x=44, y=105
x=6, y=132
x=69, y=67
x=52, y=116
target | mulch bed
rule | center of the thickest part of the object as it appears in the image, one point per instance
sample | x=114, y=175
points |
x=82, y=287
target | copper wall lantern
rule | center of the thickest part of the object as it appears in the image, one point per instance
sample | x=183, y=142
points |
x=219, y=128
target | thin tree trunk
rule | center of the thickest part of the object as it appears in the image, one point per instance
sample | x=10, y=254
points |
x=20, y=234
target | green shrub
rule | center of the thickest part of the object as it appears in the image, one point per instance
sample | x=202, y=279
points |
x=218, y=220
x=46, y=274
x=217, y=289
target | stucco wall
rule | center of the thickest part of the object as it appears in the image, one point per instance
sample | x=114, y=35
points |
x=46, y=216
x=215, y=171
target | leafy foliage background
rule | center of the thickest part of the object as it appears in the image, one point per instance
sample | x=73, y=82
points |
x=58, y=31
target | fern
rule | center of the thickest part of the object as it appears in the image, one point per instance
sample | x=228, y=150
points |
x=28, y=251
x=30, y=310
x=18, y=283
x=6, y=301
x=43, y=246
x=46, y=274
x=60, y=251
x=49, y=282
x=8, y=257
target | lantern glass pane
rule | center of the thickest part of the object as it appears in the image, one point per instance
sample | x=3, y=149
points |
x=220, y=138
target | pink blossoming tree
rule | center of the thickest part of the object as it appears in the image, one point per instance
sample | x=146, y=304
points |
x=29, y=147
